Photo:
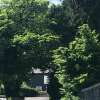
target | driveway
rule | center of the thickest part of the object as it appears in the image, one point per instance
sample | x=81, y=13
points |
x=36, y=98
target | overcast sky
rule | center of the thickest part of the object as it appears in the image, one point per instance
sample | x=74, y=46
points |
x=55, y=1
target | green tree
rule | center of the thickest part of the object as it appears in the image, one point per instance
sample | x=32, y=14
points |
x=54, y=87
x=84, y=11
x=60, y=23
x=77, y=62
x=25, y=40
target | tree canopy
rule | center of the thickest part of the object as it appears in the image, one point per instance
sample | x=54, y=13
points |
x=78, y=64
x=63, y=38
x=26, y=41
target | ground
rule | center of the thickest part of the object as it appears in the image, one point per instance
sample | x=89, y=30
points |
x=31, y=98
x=37, y=98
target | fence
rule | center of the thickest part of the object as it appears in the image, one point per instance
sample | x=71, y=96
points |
x=91, y=93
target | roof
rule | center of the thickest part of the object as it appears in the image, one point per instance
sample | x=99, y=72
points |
x=39, y=71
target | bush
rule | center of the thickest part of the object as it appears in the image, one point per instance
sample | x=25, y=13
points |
x=23, y=91
x=28, y=92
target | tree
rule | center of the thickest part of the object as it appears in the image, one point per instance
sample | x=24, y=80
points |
x=54, y=87
x=26, y=42
x=76, y=64
x=66, y=17
x=87, y=11
x=60, y=23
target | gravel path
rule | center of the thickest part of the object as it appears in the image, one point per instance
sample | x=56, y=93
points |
x=37, y=98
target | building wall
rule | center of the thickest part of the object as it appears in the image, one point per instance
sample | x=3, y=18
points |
x=37, y=81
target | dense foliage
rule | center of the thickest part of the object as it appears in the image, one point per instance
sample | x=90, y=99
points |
x=78, y=64
x=25, y=41
x=34, y=34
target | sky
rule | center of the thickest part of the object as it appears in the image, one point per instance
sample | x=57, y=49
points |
x=55, y=1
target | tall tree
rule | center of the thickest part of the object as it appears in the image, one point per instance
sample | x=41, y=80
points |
x=76, y=65
x=26, y=41
x=87, y=10
x=65, y=19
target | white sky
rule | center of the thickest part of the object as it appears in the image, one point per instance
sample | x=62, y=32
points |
x=55, y=1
